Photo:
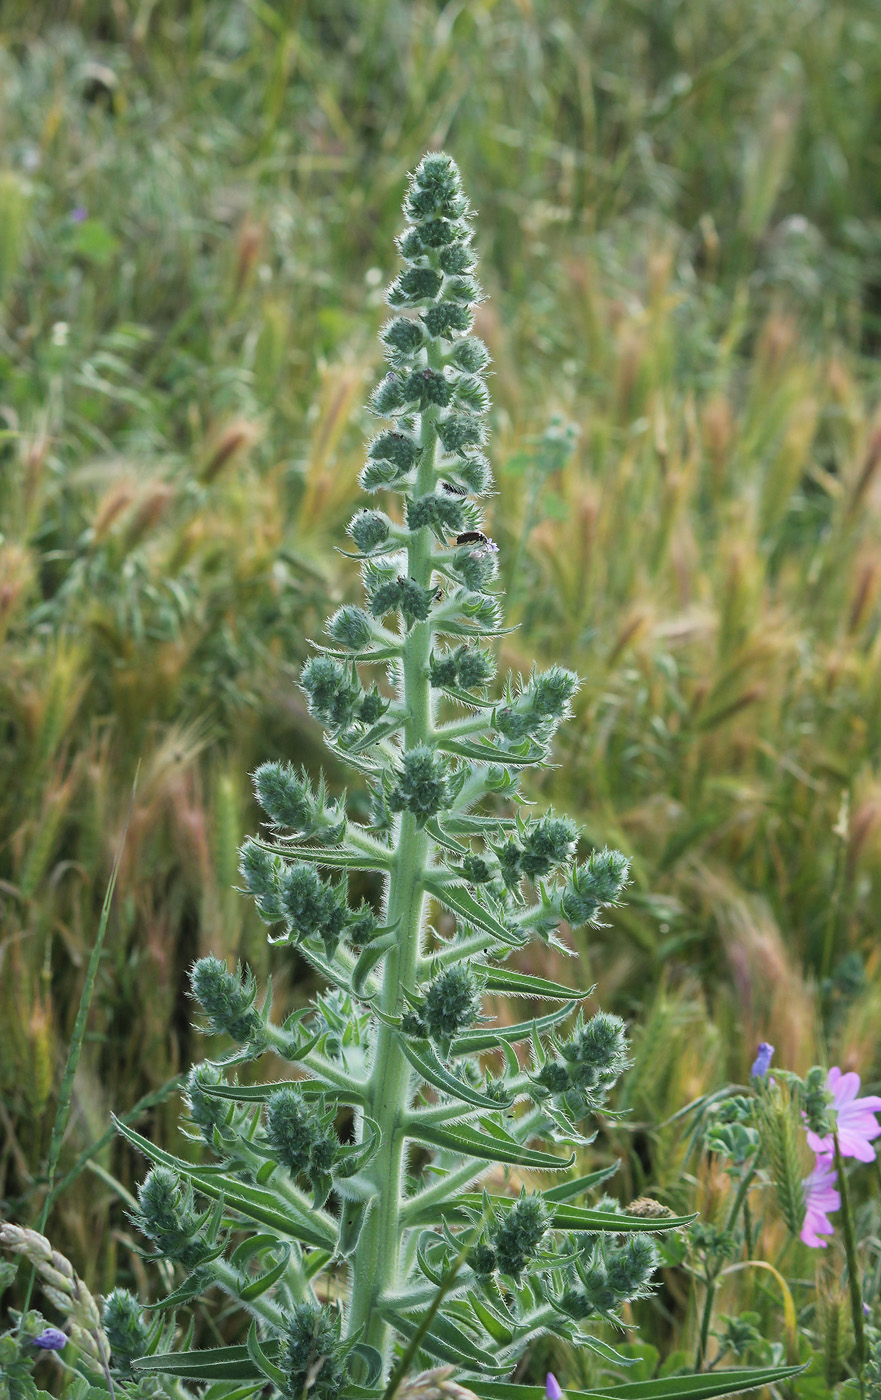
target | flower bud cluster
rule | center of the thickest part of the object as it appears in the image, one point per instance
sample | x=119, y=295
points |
x=443, y=513
x=127, y=1333
x=313, y=1359
x=227, y=998
x=450, y=1004
x=206, y=1111
x=168, y=1217
x=817, y=1102
x=609, y=1274
x=288, y=799
x=437, y=291
x=515, y=1238
x=476, y=566
x=300, y=1135
x=593, y=1058
x=336, y=697
x=467, y=667
x=541, y=705
x=594, y=886
x=422, y=784
x=400, y=594
x=370, y=530
x=543, y=845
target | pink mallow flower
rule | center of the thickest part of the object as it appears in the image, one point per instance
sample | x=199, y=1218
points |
x=820, y=1198
x=856, y=1121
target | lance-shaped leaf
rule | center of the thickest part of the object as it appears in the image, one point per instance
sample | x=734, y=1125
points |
x=368, y=959
x=492, y=753
x=264, y=1362
x=456, y=1212
x=580, y=1184
x=443, y=838
x=253, y=1202
x=460, y=901
x=259, y=1093
x=211, y=1364
x=382, y=730
x=489, y=1144
x=733, y=1381
x=330, y=856
x=492, y=1322
x=510, y=982
x=444, y=1341
x=381, y=653
x=493, y=1039
x=426, y=1062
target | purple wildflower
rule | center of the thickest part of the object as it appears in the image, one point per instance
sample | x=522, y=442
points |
x=552, y=1388
x=820, y=1198
x=855, y=1118
x=78, y=214
x=50, y=1339
x=762, y=1062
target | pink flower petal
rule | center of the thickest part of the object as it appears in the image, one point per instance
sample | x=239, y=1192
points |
x=844, y=1087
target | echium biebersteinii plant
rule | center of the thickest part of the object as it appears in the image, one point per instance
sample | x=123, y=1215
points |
x=344, y=1216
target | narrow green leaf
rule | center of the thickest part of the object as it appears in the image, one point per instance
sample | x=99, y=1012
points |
x=265, y=1281
x=382, y=730
x=492, y=1039
x=444, y=1341
x=565, y=1217
x=567, y=1189
x=426, y=1063
x=491, y=753
x=262, y=1361
x=368, y=958
x=458, y=900
x=330, y=856
x=487, y=1146
x=259, y=1093
x=497, y=1328
x=212, y=1364
x=512, y=983
x=733, y=1381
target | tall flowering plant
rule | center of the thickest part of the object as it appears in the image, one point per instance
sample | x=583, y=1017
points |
x=343, y=1212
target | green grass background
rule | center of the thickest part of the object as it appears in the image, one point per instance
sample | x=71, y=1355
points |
x=680, y=240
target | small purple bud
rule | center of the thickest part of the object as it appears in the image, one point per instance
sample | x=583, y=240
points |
x=552, y=1387
x=867, y=1310
x=78, y=215
x=50, y=1339
x=762, y=1062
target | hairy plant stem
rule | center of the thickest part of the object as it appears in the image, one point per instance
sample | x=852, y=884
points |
x=376, y=1264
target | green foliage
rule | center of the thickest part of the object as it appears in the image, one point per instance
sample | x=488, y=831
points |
x=679, y=241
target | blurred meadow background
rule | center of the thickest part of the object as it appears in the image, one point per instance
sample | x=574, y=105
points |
x=680, y=240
